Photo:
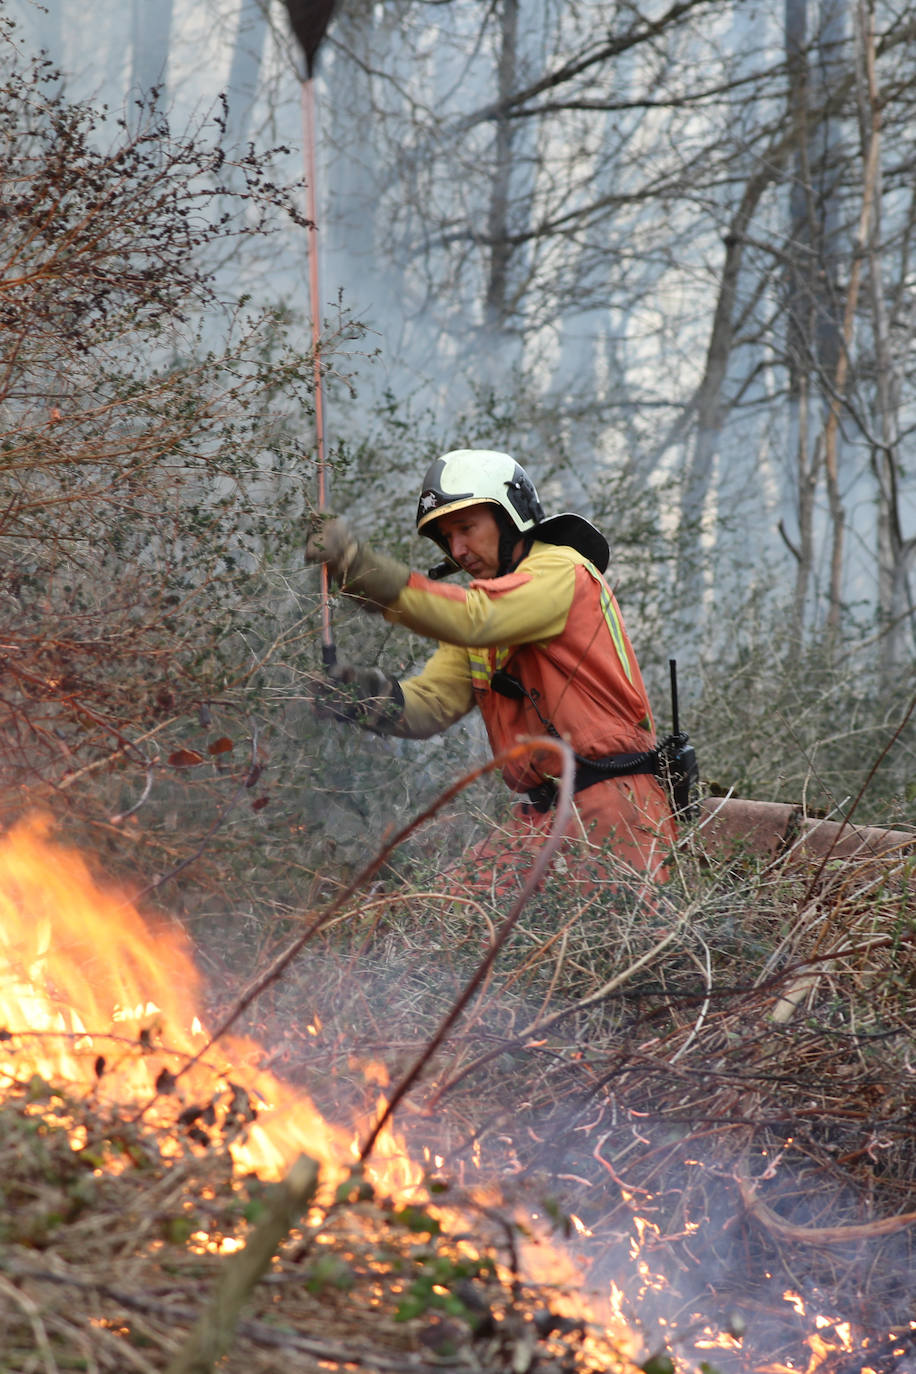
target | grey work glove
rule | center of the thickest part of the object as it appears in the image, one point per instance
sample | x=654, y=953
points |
x=366, y=697
x=373, y=578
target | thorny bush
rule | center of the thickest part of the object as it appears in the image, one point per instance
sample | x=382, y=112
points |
x=152, y=456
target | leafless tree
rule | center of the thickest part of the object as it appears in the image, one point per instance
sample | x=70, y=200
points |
x=688, y=221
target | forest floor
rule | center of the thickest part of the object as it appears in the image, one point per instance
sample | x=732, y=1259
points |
x=668, y=1132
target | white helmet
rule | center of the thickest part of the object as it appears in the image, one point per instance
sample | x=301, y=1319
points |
x=469, y=476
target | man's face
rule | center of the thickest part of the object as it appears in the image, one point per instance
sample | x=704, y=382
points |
x=472, y=537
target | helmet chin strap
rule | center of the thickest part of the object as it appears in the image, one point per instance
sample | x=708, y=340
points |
x=509, y=538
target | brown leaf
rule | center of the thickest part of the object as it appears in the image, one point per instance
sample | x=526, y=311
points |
x=259, y=803
x=220, y=746
x=185, y=758
x=241, y=1104
x=165, y=1081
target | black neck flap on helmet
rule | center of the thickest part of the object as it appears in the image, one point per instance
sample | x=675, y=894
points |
x=576, y=533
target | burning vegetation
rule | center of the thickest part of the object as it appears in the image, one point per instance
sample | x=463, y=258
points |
x=119, y=1240
x=687, y=1174
x=140, y=1161
x=664, y=1133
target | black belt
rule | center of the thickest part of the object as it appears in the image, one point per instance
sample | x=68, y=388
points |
x=590, y=771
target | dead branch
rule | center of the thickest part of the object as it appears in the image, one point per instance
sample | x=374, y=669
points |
x=816, y=1235
x=213, y=1333
x=286, y=956
x=538, y=870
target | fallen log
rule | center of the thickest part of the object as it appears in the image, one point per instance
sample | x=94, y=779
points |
x=734, y=827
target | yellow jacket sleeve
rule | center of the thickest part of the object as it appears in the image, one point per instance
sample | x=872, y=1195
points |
x=527, y=606
x=437, y=696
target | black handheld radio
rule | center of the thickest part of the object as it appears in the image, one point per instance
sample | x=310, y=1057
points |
x=681, y=761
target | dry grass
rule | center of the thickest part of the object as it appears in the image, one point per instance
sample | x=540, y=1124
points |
x=714, y=1078
x=110, y=1254
x=725, y=1069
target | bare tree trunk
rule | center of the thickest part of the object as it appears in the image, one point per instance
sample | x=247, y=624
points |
x=865, y=41
x=708, y=404
x=151, y=23
x=245, y=68
x=894, y=553
x=496, y=301
x=372, y=283
x=817, y=342
x=807, y=468
x=800, y=326
x=47, y=28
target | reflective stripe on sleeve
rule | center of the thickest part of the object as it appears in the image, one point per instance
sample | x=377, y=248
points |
x=611, y=619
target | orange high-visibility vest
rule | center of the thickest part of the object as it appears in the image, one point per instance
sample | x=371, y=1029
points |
x=586, y=682
x=554, y=624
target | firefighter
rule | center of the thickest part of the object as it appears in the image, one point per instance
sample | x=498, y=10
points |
x=535, y=640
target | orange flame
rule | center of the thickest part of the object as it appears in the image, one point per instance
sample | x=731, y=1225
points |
x=85, y=981
x=93, y=998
